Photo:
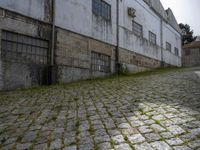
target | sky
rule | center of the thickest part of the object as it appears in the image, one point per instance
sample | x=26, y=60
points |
x=185, y=11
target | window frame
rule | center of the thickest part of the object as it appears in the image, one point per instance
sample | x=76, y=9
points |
x=104, y=9
x=100, y=62
x=28, y=49
x=151, y=38
x=135, y=26
x=168, y=47
x=176, y=51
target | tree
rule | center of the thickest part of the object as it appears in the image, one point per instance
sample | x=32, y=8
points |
x=187, y=36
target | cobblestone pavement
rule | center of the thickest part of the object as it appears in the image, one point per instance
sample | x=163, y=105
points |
x=160, y=111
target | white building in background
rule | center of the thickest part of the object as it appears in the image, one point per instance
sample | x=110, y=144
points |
x=84, y=39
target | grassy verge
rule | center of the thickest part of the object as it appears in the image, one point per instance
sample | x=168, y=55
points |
x=112, y=77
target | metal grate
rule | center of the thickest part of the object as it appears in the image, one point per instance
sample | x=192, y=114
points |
x=24, y=49
x=100, y=62
x=137, y=29
x=152, y=37
x=101, y=8
x=168, y=46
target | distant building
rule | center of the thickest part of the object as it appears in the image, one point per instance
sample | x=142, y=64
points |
x=198, y=38
x=191, y=54
x=59, y=41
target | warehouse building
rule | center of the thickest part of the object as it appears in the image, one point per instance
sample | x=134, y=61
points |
x=59, y=41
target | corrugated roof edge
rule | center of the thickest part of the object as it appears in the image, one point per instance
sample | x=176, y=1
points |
x=167, y=15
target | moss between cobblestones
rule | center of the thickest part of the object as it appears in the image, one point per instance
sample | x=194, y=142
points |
x=112, y=143
x=31, y=147
x=162, y=139
x=157, y=122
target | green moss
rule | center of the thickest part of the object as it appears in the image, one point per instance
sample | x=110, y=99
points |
x=162, y=139
x=96, y=147
x=31, y=147
x=142, y=111
x=112, y=142
x=125, y=138
x=19, y=139
x=157, y=122
x=91, y=130
x=77, y=123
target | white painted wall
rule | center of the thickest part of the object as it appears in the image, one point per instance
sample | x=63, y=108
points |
x=31, y=8
x=77, y=16
x=171, y=59
x=150, y=22
x=174, y=38
x=171, y=36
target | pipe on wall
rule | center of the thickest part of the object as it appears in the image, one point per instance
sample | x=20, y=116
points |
x=161, y=41
x=117, y=38
x=53, y=33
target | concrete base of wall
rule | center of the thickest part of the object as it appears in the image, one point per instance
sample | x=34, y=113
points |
x=18, y=75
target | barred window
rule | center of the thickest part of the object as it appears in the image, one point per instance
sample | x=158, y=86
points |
x=152, y=37
x=137, y=29
x=168, y=46
x=176, y=51
x=101, y=8
x=25, y=49
x=100, y=62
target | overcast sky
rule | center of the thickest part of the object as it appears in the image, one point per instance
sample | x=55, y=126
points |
x=185, y=11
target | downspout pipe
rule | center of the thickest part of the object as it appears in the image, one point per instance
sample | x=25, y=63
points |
x=161, y=41
x=51, y=74
x=117, y=65
x=53, y=33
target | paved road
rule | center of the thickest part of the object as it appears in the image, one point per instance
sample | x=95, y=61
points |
x=160, y=111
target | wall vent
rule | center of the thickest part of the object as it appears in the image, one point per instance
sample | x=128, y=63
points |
x=131, y=12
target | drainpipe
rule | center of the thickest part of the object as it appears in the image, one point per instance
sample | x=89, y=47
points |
x=53, y=33
x=117, y=65
x=51, y=74
x=161, y=40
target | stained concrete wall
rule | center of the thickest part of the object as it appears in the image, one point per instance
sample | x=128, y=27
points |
x=77, y=16
x=170, y=59
x=149, y=21
x=17, y=75
x=171, y=36
x=31, y=8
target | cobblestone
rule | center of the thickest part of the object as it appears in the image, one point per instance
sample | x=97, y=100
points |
x=159, y=111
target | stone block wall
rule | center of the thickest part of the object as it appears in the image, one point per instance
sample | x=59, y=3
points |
x=137, y=62
x=73, y=56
